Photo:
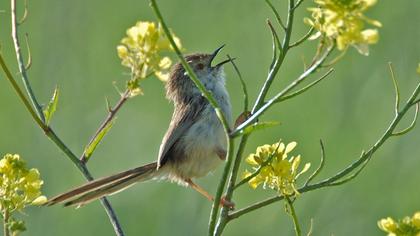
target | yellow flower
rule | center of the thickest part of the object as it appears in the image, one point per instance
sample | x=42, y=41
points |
x=418, y=69
x=19, y=186
x=388, y=225
x=141, y=50
x=343, y=21
x=274, y=169
x=408, y=226
x=416, y=220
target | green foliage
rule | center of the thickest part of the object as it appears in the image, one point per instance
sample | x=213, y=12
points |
x=97, y=139
x=51, y=107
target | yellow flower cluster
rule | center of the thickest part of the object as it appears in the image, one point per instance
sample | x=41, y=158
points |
x=141, y=50
x=408, y=226
x=274, y=169
x=19, y=186
x=344, y=22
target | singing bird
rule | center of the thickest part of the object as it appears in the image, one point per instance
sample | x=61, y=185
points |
x=194, y=144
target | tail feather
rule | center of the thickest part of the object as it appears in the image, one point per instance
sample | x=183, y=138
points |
x=106, y=186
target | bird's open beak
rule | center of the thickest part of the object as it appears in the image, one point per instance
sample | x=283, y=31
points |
x=214, y=54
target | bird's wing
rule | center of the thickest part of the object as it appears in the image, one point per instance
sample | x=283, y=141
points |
x=183, y=118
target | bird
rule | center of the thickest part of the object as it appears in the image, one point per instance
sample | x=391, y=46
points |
x=193, y=145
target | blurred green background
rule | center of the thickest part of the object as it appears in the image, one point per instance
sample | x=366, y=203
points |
x=73, y=45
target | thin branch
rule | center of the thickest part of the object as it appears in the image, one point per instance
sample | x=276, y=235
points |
x=219, y=113
x=412, y=125
x=276, y=13
x=298, y=4
x=276, y=44
x=416, y=101
x=320, y=167
x=110, y=117
x=304, y=89
x=327, y=182
x=6, y=231
x=303, y=39
x=277, y=64
x=25, y=14
x=397, y=90
x=21, y=64
x=298, y=232
x=60, y=144
x=21, y=95
x=274, y=68
x=38, y=115
x=354, y=175
x=282, y=93
x=29, y=62
x=243, y=84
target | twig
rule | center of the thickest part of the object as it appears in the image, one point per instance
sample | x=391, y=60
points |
x=21, y=64
x=243, y=85
x=276, y=14
x=277, y=64
x=282, y=93
x=303, y=39
x=274, y=68
x=396, y=88
x=111, y=114
x=298, y=4
x=304, y=89
x=298, y=232
x=6, y=231
x=39, y=118
x=330, y=181
x=214, y=104
x=321, y=165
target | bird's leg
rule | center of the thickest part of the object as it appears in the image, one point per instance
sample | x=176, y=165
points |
x=223, y=201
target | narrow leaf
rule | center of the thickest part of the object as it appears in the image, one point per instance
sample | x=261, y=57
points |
x=92, y=145
x=258, y=126
x=51, y=107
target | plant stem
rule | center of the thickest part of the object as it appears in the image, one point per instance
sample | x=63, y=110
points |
x=282, y=93
x=330, y=181
x=60, y=144
x=6, y=231
x=277, y=64
x=294, y=217
x=21, y=65
x=111, y=114
x=214, y=104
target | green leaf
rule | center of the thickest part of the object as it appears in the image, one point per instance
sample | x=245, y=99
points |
x=258, y=126
x=92, y=146
x=51, y=107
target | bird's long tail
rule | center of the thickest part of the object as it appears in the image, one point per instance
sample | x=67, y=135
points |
x=106, y=186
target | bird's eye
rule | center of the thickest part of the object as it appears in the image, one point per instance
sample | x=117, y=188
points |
x=200, y=66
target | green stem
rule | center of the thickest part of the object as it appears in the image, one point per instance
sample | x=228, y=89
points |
x=188, y=69
x=219, y=113
x=277, y=64
x=225, y=211
x=224, y=218
x=298, y=232
x=19, y=92
x=6, y=231
x=109, y=118
x=278, y=96
x=330, y=181
x=21, y=65
x=60, y=144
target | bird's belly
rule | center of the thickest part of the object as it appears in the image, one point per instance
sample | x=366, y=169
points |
x=202, y=141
